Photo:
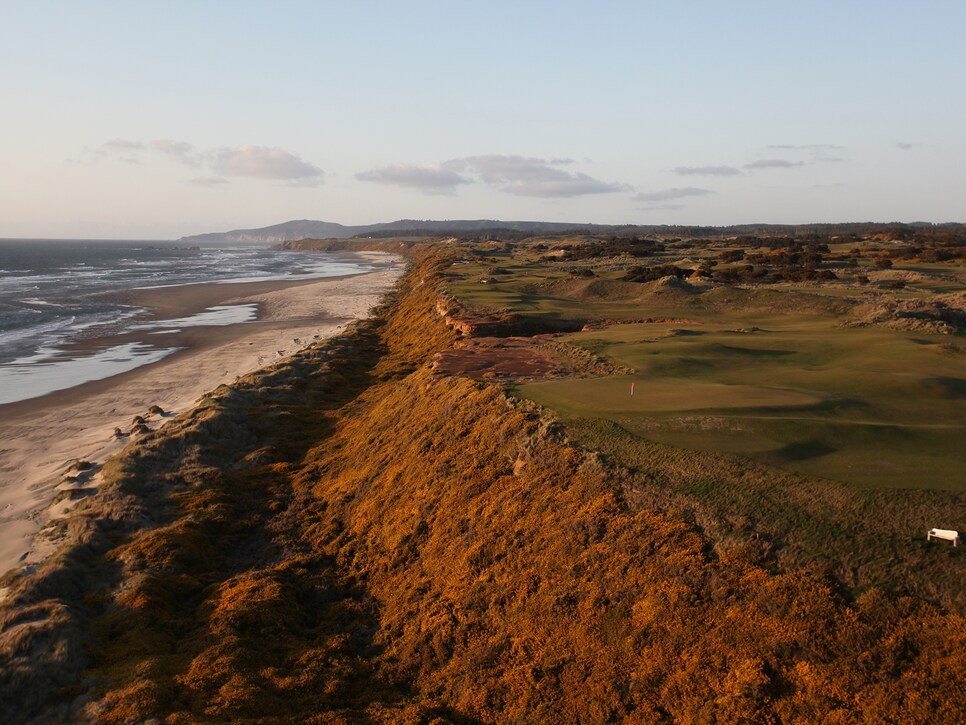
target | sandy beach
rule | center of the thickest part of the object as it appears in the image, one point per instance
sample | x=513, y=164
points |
x=42, y=439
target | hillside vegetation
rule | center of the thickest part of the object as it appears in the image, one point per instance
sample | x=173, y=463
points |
x=355, y=536
x=806, y=404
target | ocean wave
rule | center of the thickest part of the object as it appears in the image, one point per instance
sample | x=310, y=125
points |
x=41, y=303
x=25, y=343
x=45, y=328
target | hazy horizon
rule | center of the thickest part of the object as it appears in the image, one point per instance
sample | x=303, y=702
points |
x=505, y=221
x=159, y=121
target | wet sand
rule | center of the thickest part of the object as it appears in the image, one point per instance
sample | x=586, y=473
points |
x=42, y=437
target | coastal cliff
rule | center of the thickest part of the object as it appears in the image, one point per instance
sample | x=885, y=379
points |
x=352, y=535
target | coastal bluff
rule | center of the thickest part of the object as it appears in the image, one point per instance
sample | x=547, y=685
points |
x=353, y=535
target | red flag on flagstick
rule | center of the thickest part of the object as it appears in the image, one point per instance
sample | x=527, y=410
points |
x=632, y=388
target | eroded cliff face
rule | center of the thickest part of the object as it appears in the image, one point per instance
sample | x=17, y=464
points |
x=355, y=536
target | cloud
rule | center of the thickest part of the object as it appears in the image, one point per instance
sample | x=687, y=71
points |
x=428, y=178
x=122, y=146
x=905, y=145
x=774, y=164
x=525, y=176
x=519, y=175
x=123, y=149
x=247, y=160
x=179, y=150
x=208, y=181
x=661, y=207
x=260, y=162
x=819, y=147
x=706, y=170
x=671, y=194
x=817, y=153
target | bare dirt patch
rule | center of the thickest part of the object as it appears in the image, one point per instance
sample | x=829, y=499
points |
x=501, y=357
x=542, y=357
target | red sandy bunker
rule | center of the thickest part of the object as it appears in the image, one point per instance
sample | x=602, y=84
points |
x=504, y=357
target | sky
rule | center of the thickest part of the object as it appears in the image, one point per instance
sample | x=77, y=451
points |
x=153, y=120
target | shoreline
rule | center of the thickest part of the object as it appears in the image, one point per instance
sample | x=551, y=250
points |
x=174, y=301
x=41, y=437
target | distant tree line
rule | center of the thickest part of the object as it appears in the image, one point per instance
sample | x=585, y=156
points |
x=613, y=247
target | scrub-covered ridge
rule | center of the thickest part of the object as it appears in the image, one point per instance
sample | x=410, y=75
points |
x=358, y=534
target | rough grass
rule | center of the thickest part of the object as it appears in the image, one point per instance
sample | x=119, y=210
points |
x=861, y=537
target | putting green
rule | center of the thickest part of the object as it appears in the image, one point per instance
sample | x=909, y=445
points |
x=658, y=395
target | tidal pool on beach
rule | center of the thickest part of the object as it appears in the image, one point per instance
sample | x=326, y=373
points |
x=51, y=368
x=38, y=377
x=217, y=315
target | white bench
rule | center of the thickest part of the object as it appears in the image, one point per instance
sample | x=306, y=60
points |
x=944, y=534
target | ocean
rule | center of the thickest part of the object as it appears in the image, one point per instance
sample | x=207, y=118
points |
x=56, y=293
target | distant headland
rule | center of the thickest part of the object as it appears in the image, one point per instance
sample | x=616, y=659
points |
x=299, y=229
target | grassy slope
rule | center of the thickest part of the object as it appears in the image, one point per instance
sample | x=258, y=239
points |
x=344, y=539
x=863, y=538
